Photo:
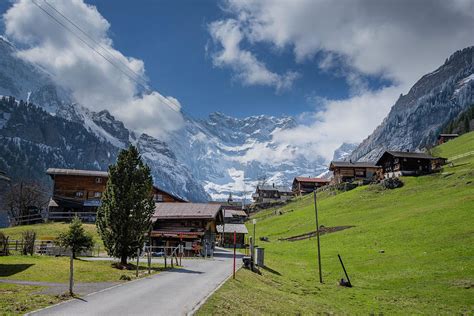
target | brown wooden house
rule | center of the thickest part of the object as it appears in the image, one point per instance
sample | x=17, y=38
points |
x=194, y=225
x=348, y=171
x=271, y=193
x=443, y=138
x=305, y=185
x=79, y=192
x=401, y=163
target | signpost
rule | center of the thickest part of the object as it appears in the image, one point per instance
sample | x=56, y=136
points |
x=317, y=237
x=235, y=240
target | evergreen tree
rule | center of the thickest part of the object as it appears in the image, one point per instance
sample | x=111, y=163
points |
x=76, y=238
x=124, y=216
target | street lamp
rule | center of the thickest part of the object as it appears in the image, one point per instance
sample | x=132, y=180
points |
x=254, y=221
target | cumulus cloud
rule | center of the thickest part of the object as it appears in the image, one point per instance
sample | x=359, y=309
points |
x=246, y=66
x=396, y=40
x=94, y=82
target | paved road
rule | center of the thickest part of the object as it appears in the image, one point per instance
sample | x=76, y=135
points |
x=174, y=292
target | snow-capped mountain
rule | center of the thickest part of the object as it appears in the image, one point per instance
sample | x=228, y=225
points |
x=416, y=118
x=225, y=153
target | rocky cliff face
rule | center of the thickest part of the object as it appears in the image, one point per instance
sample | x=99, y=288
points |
x=416, y=118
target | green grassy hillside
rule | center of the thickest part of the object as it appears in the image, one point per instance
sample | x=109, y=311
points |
x=410, y=252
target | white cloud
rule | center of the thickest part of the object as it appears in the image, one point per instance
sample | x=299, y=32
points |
x=396, y=40
x=247, y=67
x=94, y=81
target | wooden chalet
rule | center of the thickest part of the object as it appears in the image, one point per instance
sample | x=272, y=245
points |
x=194, y=225
x=271, y=193
x=4, y=188
x=402, y=163
x=79, y=192
x=443, y=138
x=348, y=171
x=305, y=185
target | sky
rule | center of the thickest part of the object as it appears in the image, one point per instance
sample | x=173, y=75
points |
x=337, y=66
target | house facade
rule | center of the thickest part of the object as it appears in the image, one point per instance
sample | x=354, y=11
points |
x=193, y=225
x=348, y=171
x=305, y=185
x=400, y=163
x=233, y=222
x=4, y=188
x=271, y=193
x=79, y=192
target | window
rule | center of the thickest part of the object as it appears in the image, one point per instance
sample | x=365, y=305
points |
x=79, y=194
x=158, y=197
x=97, y=194
x=98, y=180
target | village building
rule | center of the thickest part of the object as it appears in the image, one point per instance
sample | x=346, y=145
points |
x=443, y=138
x=348, y=171
x=402, y=163
x=234, y=220
x=79, y=192
x=305, y=185
x=271, y=193
x=193, y=225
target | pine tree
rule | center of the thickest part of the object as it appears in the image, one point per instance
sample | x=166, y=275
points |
x=124, y=216
x=76, y=238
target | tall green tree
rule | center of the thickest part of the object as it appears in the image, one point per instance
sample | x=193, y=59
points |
x=124, y=216
x=76, y=238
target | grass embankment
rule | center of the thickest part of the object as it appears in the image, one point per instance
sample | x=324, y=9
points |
x=20, y=299
x=410, y=251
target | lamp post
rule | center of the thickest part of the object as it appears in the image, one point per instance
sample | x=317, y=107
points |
x=317, y=237
x=254, y=222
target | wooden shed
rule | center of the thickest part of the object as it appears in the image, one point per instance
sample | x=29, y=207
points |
x=192, y=224
x=305, y=185
x=348, y=171
x=402, y=163
x=443, y=138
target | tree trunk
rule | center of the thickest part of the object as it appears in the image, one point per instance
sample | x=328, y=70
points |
x=123, y=260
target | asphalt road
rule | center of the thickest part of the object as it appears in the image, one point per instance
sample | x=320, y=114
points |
x=175, y=292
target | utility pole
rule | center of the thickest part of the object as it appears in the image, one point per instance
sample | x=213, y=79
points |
x=254, y=221
x=71, y=274
x=317, y=237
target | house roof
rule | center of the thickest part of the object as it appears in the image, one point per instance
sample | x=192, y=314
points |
x=185, y=210
x=231, y=213
x=230, y=228
x=77, y=172
x=447, y=135
x=274, y=188
x=308, y=179
x=349, y=164
x=405, y=154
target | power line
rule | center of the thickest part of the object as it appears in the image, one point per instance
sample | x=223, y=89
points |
x=138, y=76
x=145, y=87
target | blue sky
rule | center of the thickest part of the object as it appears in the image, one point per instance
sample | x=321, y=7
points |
x=338, y=66
x=171, y=36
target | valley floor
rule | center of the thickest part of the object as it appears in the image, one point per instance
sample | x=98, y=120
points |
x=409, y=252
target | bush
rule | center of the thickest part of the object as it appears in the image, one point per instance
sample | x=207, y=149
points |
x=28, y=242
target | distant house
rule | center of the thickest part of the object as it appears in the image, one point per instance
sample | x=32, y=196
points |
x=443, y=138
x=79, y=192
x=193, y=225
x=348, y=171
x=401, y=163
x=305, y=185
x=271, y=193
x=233, y=222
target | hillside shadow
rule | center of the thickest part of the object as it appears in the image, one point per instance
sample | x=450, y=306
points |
x=7, y=270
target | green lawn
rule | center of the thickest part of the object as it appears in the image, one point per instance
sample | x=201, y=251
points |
x=47, y=231
x=21, y=299
x=56, y=269
x=410, y=252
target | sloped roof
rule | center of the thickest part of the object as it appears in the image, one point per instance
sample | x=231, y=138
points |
x=274, y=188
x=308, y=179
x=405, y=154
x=362, y=164
x=231, y=213
x=77, y=172
x=230, y=228
x=447, y=135
x=185, y=210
